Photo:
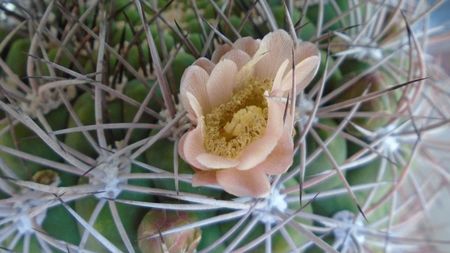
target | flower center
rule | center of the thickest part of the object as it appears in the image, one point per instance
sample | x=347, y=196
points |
x=233, y=125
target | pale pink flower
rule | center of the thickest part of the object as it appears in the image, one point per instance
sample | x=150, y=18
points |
x=237, y=101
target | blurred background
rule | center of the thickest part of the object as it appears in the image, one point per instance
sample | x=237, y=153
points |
x=437, y=222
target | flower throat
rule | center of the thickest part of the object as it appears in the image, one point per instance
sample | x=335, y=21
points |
x=232, y=126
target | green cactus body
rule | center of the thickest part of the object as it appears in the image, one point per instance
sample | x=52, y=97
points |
x=137, y=56
x=280, y=15
x=338, y=148
x=336, y=77
x=122, y=31
x=315, y=249
x=59, y=224
x=3, y=33
x=160, y=155
x=117, y=111
x=329, y=13
x=138, y=91
x=279, y=243
x=55, y=221
x=196, y=40
x=322, y=163
x=17, y=57
x=129, y=215
x=84, y=108
x=29, y=143
x=168, y=40
x=193, y=26
x=138, y=53
x=126, y=11
x=180, y=63
x=369, y=174
x=235, y=21
x=63, y=61
x=308, y=30
x=34, y=245
x=210, y=234
x=378, y=81
x=331, y=205
x=255, y=232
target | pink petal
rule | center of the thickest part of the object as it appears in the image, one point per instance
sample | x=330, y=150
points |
x=195, y=105
x=304, y=73
x=194, y=81
x=289, y=121
x=221, y=82
x=257, y=151
x=181, y=145
x=277, y=82
x=281, y=157
x=304, y=50
x=237, y=56
x=278, y=47
x=201, y=178
x=250, y=46
x=254, y=183
x=247, y=71
x=219, y=52
x=212, y=161
x=205, y=63
x=247, y=44
x=193, y=146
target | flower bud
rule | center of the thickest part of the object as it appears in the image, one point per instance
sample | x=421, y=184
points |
x=155, y=222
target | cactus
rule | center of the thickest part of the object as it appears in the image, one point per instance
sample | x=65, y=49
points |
x=92, y=117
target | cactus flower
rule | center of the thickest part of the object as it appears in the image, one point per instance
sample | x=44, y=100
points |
x=238, y=103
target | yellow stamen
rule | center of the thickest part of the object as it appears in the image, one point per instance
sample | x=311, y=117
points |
x=232, y=126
